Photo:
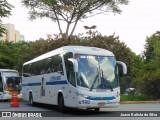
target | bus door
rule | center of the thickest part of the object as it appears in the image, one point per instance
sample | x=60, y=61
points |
x=72, y=84
x=70, y=74
x=43, y=89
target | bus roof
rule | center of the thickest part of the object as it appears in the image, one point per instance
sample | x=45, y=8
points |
x=1, y=70
x=73, y=49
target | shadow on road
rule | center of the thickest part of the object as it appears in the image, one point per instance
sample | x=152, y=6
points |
x=72, y=112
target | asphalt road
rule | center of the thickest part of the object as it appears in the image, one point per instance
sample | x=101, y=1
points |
x=137, y=110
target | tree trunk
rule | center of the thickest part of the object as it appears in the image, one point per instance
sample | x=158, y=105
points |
x=59, y=26
x=67, y=29
x=75, y=24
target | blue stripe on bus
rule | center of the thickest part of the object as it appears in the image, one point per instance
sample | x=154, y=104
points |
x=32, y=84
x=57, y=83
x=100, y=98
x=47, y=83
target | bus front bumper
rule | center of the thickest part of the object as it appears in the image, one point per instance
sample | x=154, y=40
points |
x=8, y=96
x=86, y=103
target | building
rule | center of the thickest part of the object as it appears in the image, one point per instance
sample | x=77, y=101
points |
x=11, y=34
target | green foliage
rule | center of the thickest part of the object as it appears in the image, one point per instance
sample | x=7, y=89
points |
x=148, y=79
x=70, y=11
x=5, y=61
x=6, y=56
x=5, y=11
x=2, y=29
x=5, y=8
x=136, y=66
x=133, y=97
x=152, y=47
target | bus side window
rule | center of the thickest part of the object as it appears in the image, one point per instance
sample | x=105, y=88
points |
x=55, y=64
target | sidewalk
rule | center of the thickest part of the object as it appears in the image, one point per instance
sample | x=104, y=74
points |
x=140, y=102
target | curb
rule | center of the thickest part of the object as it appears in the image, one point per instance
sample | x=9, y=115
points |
x=140, y=102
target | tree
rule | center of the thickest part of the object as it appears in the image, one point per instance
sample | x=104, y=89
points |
x=6, y=55
x=5, y=11
x=148, y=79
x=70, y=11
x=152, y=46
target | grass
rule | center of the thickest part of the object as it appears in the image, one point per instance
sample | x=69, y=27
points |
x=132, y=97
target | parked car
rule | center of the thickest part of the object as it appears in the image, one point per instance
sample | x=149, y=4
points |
x=129, y=90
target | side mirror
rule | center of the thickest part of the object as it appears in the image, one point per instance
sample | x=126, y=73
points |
x=124, y=66
x=75, y=64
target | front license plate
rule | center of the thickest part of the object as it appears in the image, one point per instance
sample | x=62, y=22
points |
x=101, y=103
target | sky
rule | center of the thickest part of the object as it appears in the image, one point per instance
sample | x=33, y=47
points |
x=139, y=19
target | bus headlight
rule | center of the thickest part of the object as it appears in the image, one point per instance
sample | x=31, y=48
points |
x=84, y=96
x=81, y=95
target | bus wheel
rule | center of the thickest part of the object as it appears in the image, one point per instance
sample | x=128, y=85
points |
x=61, y=106
x=5, y=100
x=31, y=99
x=97, y=109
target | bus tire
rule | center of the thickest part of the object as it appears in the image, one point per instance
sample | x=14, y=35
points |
x=61, y=106
x=31, y=102
x=6, y=100
x=97, y=109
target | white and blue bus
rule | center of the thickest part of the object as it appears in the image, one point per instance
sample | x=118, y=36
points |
x=73, y=76
x=10, y=81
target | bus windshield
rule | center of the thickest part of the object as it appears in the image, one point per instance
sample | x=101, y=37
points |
x=97, y=72
x=10, y=73
x=13, y=84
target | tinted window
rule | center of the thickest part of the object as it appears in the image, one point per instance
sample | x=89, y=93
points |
x=27, y=70
x=45, y=66
x=54, y=64
x=10, y=73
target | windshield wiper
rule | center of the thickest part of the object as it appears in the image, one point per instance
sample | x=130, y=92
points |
x=94, y=82
x=102, y=81
x=110, y=86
